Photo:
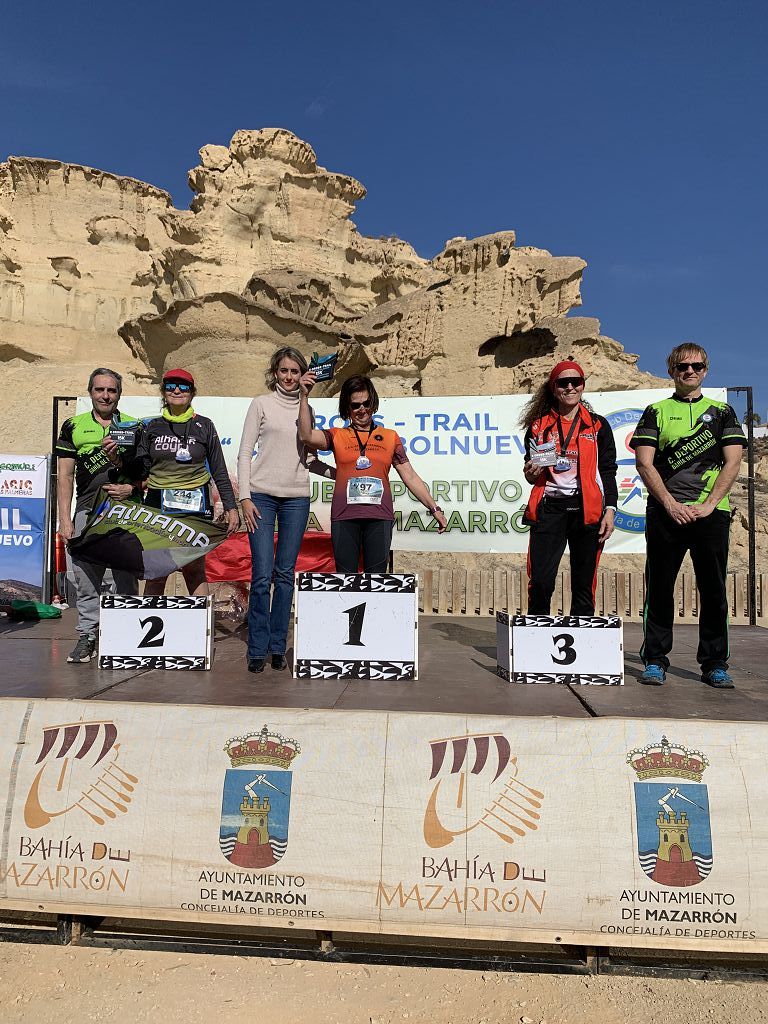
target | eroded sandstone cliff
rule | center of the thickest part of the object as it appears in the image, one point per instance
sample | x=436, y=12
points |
x=101, y=269
x=98, y=269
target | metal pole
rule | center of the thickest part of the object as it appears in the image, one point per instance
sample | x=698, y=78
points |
x=52, y=504
x=752, y=570
x=751, y=556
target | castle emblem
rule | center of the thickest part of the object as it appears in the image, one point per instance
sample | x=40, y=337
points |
x=255, y=804
x=674, y=837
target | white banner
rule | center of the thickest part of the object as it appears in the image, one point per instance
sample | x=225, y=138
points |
x=598, y=831
x=469, y=451
x=23, y=505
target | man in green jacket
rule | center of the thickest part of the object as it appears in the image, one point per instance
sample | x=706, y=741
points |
x=87, y=462
x=688, y=451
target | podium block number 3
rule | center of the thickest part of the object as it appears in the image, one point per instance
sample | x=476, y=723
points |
x=356, y=616
x=564, y=646
x=155, y=634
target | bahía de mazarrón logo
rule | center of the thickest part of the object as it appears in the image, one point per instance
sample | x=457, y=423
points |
x=256, y=804
x=79, y=773
x=674, y=837
x=477, y=786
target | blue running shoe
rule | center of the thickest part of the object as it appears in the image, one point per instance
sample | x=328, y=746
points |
x=654, y=675
x=717, y=677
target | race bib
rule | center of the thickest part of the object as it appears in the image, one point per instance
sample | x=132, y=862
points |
x=176, y=500
x=365, y=490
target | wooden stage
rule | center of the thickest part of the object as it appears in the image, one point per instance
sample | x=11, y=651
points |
x=457, y=674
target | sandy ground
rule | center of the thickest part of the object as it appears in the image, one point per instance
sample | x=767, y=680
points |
x=69, y=984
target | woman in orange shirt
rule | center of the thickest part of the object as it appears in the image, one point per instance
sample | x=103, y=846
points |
x=362, y=514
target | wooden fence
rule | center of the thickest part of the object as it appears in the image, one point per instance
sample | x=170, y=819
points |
x=479, y=592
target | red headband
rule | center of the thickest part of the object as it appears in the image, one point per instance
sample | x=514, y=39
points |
x=566, y=364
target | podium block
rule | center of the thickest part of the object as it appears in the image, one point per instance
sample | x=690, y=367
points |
x=155, y=632
x=357, y=626
x=572, y=649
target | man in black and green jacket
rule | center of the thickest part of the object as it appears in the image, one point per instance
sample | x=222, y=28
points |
x=688, y=451
x=88, y=460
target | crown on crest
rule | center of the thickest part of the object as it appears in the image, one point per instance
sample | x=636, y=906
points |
x=667, y=759
x=263, y=747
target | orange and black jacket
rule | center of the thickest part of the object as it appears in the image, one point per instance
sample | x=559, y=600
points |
x=596, y=466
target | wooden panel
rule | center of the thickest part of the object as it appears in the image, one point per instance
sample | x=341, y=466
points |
x=473, y=593
x=637, y=590
x=459, y=592
x=688, y=587
x=740, y=585
x=425, y=579
x=486, y=592
x=730, y=583
x=443, y=591
x=482, y=592
x=566, y=592
x=600, y=595
x=500, y=603
x=523, y=593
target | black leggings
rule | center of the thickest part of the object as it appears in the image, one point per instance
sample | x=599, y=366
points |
x=561, y=521
x=371, y=536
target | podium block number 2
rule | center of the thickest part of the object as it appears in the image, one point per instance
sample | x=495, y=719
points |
x=356, y=615
x=154, y=635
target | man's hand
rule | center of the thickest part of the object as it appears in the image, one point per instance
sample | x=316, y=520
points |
x=606, y=526
x=109, y=444
x=679, y=513
x=706, y=508
x=67, y=529
x=118, y=490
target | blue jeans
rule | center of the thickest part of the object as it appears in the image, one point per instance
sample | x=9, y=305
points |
x=268, y=628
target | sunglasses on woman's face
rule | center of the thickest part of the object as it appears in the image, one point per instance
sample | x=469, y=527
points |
x=563, y=382
x=170, y=386
x=360, y=405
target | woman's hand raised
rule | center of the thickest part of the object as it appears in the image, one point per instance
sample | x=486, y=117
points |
x=307, y=382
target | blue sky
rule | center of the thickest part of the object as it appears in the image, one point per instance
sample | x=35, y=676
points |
x=632, y=135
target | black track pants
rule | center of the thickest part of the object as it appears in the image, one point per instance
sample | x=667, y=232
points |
x=372, y=537
x=666, y=545
x=561, y=521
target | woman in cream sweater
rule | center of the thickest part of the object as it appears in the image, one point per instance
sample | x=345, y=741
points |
x=274, y=489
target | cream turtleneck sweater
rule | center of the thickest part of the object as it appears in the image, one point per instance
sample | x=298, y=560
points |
x=280, y=466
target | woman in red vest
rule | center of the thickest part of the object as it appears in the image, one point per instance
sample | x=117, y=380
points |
x=571, y=462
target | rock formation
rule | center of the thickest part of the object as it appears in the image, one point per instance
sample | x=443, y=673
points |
x=98, y=269
x=101, y=269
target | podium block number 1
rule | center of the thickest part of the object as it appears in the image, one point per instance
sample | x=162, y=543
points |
x=356, y=616
x=356, y=626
